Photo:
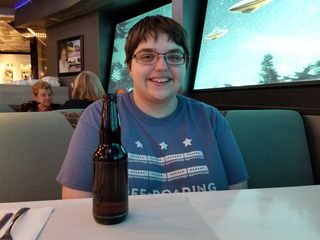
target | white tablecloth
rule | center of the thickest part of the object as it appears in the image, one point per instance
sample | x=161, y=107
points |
x=271, y=214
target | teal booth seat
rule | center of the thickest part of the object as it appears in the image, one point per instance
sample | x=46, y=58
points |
x=6, y=108
x=274, y=146
x=33, y=147
x=67, y=110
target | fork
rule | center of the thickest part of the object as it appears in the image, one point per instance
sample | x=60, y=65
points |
x=7, y=234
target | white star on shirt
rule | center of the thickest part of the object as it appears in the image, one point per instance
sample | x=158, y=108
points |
x=139, y=144
x=163, y=145
x=187, y=142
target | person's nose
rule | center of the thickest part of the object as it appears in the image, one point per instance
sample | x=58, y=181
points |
x=161, y=63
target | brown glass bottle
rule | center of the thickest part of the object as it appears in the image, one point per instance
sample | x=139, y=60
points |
x=110, y=168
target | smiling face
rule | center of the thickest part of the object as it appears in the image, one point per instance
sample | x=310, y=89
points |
x=157, y=83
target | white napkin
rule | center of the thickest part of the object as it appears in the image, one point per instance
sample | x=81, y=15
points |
x=29, y=224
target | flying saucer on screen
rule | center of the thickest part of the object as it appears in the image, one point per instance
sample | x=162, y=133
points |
x=216, y=33
x=248, y=6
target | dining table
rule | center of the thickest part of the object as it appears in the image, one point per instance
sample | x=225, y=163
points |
x=282, y=213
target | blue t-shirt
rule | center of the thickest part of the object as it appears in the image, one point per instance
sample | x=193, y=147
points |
x=192, y=149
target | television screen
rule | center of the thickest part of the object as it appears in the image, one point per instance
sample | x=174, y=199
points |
x=259, y=42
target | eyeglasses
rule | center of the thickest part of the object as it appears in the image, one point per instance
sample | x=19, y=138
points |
x=171, y=58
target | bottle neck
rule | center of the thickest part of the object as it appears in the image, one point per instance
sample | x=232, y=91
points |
x=110, y=131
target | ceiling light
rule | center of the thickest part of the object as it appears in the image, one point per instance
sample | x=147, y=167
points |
x=38, y=35
x=32, y=33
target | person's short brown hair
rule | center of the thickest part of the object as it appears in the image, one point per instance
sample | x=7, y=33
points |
x=153, y=26
x=41, y=85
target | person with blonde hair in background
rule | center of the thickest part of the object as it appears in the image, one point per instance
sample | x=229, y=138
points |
x=42, y=95
x=87, y=89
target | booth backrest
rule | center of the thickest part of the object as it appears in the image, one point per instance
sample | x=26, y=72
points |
x=17, y=94
x=312, y=124
x=33, y=146
x=274, y=147
x=6, y=108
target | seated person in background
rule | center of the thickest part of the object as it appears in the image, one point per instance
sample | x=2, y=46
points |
x=193, y=138
x=42, y=95
x=87, y=89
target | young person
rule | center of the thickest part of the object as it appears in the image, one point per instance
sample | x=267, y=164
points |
x=42, y=95
x=163, y=132
x=87, y=89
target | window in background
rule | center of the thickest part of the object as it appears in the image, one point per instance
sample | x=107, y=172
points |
x=254, y=42
x=119, y=77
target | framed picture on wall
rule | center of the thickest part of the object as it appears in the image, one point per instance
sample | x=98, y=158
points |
x=70, y=56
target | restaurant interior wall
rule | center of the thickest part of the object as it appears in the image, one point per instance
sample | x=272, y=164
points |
x=85, y=25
